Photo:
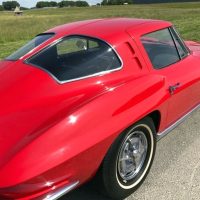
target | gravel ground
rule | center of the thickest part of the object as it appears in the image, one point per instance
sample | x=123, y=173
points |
x=175, y=174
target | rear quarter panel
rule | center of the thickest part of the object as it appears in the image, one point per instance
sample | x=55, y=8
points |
x=75, y=146
x=78, y=143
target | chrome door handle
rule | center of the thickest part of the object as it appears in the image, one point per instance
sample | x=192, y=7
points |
x=172, y=88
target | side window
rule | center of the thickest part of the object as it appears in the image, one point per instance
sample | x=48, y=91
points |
x=160, y=48
x=77, y=57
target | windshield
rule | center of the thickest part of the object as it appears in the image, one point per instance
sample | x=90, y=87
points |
x=29, y=46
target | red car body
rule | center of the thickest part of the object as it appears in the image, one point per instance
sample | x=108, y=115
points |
x=56, y=135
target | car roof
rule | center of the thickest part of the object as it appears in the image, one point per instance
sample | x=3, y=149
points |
x=108, y=28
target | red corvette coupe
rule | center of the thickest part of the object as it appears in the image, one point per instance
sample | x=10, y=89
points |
x=90, y=99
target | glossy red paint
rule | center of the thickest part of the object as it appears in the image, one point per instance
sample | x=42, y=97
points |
x=54, y=134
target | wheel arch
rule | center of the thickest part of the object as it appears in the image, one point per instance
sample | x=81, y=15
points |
x=151, y=119
x=156, y=117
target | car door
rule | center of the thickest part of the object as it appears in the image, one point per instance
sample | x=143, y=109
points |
x=171, y=59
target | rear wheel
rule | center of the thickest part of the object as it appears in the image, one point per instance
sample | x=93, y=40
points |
x=129, y=159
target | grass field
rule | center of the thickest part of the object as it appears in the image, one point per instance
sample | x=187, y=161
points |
x=15, y=31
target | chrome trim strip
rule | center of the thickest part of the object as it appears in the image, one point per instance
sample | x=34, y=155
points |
x=178, y=122
x=59, y=193
x=26, y=61
x=76, y=79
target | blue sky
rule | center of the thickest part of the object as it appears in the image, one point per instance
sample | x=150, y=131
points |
x=32, y=3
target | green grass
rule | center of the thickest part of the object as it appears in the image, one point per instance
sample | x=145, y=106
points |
x=15, y=31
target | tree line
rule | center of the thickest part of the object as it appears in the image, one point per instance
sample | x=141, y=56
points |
x=11, y=5
x=73, y=3
x=121, y=2
x=161, y=1
x=43, y=4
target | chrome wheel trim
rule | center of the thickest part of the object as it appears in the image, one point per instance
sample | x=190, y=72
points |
x=131, y=132
x=132, y=155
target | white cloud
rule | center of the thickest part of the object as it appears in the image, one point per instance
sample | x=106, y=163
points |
x=32, y=3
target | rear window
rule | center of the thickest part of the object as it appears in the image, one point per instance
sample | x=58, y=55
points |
x=29, y=46
x=76, y=57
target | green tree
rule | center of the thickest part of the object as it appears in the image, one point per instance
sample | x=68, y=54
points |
x=81, y=4
x=10, y=5
x=1, y=8
x=66, y=4
x=161, y=1
x=53, y=4
x=104, y=2
x=43, y=4
x=73, y=3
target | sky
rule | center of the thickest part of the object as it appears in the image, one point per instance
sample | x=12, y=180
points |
x=32, y=3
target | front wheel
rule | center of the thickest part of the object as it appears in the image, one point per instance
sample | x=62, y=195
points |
x=129, y=159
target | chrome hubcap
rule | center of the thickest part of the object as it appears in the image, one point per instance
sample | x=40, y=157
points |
x=132, y=155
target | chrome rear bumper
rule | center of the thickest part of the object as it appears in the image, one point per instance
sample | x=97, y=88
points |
x=60, y=192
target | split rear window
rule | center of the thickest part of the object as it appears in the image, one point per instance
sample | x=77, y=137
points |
x=76, y=57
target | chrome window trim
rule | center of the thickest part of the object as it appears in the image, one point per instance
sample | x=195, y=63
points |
x=81, y=78
x=187, y=52
x=178, y=122
x=183, y=42
x=174, y=40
